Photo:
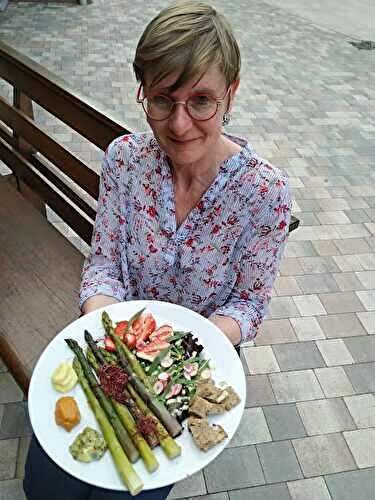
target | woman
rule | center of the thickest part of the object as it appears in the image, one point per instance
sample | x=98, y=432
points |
x=186, y=214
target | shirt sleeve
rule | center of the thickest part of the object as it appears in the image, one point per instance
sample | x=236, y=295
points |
x=259, y=253
x=105, y=269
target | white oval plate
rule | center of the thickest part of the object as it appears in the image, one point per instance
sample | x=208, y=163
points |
x=55, y=440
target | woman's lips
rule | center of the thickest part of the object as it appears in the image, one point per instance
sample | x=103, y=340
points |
x=182, y=142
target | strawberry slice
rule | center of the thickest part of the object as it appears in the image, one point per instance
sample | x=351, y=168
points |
x=121, y=328
x=155, y=345
x=162, y=333
x=109, y=344
x=143, y=327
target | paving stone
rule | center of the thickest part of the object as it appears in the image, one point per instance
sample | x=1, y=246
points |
x=299, y=249
x=298, y=356
x=317, y=283
x=286, y=285
x=279, y=462
x=12, y=490
x=307, y=328
x=358, y=215
x=308, y=219
x=361, y=348
x=282, y=307
x=290, y=266
x=341, y=325
x=333, y=217
x=275, y=331
x=318, y=265
x=362, y=445
x=252, y=429
x=324, y=454
x=362, y=409
x=333, y=204
x=334, y=382
x=8, y=456
x=335, y=352
x=260, y=360
x=284, y=422
x=259, y=391
x=341, y=302
x=233, y=469
x=358, y=484
x=309, y=305
x=367, y=279
x=348, y=263
x=368, y=321
x=362, y=377
x=353, y=230
x=268, y=492
x=191, y=486
x=295, y=386
x=325, y=416
x=15, y=422
x=367, y=298
x=309, y=489
x=367, y=261
x=9, y=390
x=347, y=282
x=325, y=248
x=352, y=246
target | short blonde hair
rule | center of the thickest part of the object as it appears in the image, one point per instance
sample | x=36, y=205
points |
x=187, y=37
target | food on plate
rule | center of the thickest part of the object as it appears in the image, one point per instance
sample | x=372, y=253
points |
x=64, y=377
x=88, y=446
x=124, y=438
x=206, y=435
x=67, y=413
x=209, y=400
x=201, y=408
x=125, y=469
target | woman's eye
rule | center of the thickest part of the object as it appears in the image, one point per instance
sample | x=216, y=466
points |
x=160, y=101
x=200, y=100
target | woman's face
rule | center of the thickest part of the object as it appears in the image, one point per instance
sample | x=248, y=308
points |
x=185, y=140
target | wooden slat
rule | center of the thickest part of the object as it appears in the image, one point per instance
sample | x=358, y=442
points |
x=67, y=162
x=56, y=96
x=7, y=136
x=23, y=169
x=75, y=198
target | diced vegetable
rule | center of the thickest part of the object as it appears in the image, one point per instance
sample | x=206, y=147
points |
x=158, y=387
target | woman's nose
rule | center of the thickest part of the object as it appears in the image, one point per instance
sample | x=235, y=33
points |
x=180, y=121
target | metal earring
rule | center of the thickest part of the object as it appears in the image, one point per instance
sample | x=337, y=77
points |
x=226, y=118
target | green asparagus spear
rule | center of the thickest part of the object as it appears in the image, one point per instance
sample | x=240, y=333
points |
x=167, y=443
x=171, y=423
x=127, y=473
x=126, y=417
x=127, y=444
x=133, y=361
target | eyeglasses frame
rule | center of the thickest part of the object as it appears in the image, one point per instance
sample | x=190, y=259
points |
x=219, y=101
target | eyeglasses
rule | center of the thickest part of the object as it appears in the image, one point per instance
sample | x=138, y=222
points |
x=201, y=107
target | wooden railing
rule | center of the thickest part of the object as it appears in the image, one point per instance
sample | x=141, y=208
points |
x=45, y=169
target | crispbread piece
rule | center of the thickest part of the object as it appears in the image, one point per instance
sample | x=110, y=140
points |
x=199, y=407
x=206, y=389
x=206, y=436
x=231, y=400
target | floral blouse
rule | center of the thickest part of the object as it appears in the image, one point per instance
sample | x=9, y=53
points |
x=222, y=259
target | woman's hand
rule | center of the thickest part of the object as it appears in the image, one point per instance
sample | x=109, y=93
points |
x=96, y=302
x=228, y=326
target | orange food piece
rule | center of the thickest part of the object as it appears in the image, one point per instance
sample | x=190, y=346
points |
x=67, y=413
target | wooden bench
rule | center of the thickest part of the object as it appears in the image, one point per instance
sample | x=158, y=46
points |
x=39, y=268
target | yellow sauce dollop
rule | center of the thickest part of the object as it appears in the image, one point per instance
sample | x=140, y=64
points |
x=64, y=378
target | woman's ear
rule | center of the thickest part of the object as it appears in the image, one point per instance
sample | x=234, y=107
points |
x=233, y=89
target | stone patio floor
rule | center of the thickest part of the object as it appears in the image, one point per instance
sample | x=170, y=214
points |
x=306, y=103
